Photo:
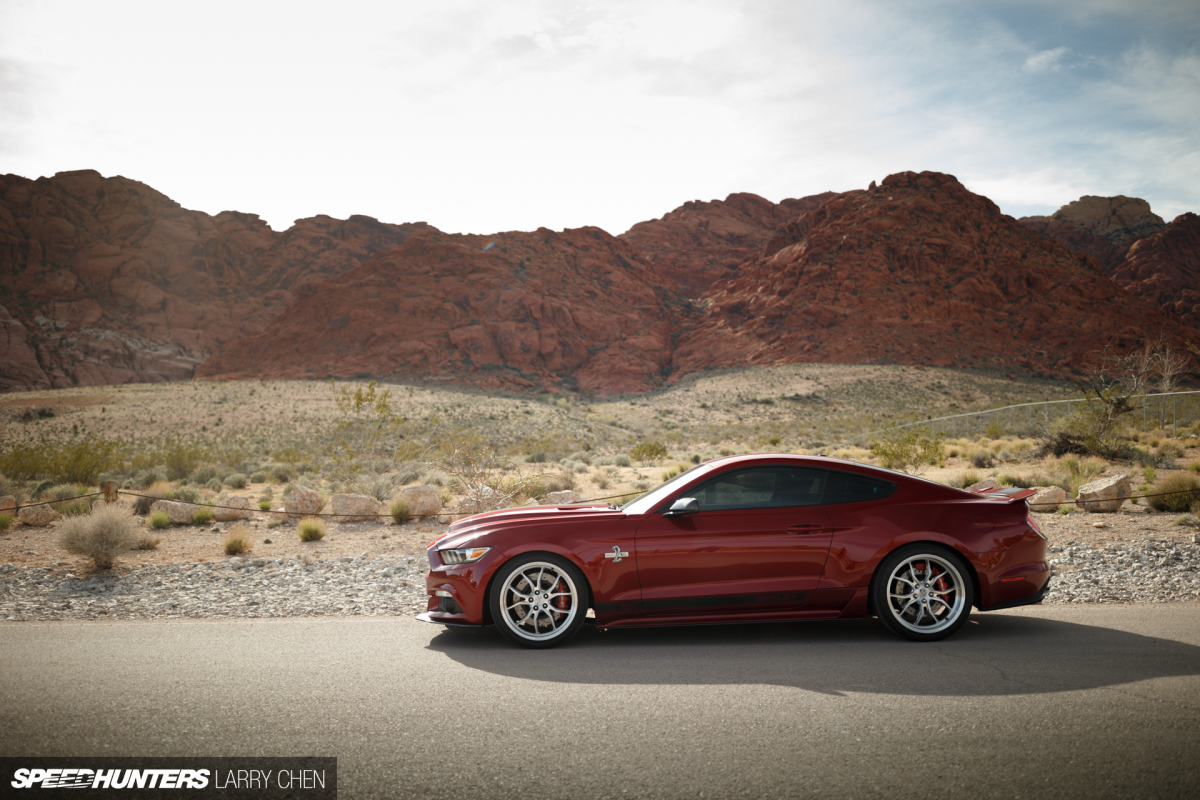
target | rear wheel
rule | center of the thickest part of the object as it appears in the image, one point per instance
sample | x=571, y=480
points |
x=922, y=592
x=539, y=600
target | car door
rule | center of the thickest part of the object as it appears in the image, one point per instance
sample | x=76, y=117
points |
x=758, y=543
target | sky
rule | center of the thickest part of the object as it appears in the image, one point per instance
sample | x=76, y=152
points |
x=481, y=116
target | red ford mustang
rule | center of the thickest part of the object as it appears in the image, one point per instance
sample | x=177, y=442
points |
x=744, y=539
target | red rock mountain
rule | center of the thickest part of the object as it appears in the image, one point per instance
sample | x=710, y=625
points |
x=578, y=309
x=105, y=280
x=702, y=242
x=1102, y=227
x=1164, y=269
x=916, y=271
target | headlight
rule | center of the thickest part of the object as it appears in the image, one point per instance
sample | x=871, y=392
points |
x=463, y=556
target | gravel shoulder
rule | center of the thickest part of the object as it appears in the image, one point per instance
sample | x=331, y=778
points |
x=368, y=569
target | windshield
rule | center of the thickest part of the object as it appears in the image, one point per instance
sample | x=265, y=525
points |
x=643, y=504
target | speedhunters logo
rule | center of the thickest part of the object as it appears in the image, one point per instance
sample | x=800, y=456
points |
x=110, y=779
x=171, y=777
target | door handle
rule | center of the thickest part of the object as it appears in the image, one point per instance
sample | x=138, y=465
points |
x=806, y=527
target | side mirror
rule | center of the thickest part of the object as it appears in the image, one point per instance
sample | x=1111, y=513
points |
x=684, y=505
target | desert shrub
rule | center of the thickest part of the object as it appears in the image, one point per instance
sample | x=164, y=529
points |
x=695, y=458
x=558, y=482
x=671, y=473
x=622, y=460
x=214, y=484
x=9, y=487
x=648, y=452
x=264, y=505
x=964, y=480
x=399, y=512
x=1190, y=521
x=101, y=535
x=204, y=474
x=1149, y=474
x=982, y=459
x=994, y=431
x=602, y=481
x=147, y=541
x=145, y=478
x=237, y=540
x=485, y=478
x=275, y=523
x=64, y=492
x=1176, y=493
x=908, y=449
x=203, y=515
x=1195, y=467
x=184, y=494
x=1024, y=481
x=78, y=462
x=6, y=522
x=311, y=530
x=582, y=456
x=181, y=458
x=258, y=477
x=235, y=480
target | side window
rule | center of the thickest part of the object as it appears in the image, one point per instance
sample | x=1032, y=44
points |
x=761, y=487
x=848, y=487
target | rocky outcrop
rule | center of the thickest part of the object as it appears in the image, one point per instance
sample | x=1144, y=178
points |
x=1102, y=227
x=302, y=502
x=699, y=243
x=577, y=310
x=917, y=271
x=1047, y=499
x=232, y=508
x=562, y=498
x=37, y=516
x=1105, y=494
x=354, y=508
x=1164, y=269
x=105, y=280
x=178, y=513
x=423, y=501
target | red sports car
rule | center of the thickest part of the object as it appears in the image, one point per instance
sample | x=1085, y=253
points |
x=744, y=539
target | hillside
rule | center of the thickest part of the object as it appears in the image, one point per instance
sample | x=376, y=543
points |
x=105, y=280
x=916, y=271
x=578, y=309
x=700, y=242
x=1103, y=227
x=1164, y=269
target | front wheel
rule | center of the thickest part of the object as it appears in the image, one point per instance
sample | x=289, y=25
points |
x=539, y=600
x=922, y=592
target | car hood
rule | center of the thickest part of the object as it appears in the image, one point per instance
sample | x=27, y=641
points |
x=491, y=520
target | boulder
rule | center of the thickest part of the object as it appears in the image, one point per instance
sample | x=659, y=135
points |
x=1105, y=494
x=562, y=498
x=303, y=502
x=1047, y=499
x=234, y=507
x=8, y=505
x=986, y=483
x=37, y=516
x=178, y=513
x=423, y=501
x=354, y=508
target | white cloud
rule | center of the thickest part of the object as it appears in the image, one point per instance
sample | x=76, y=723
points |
x=1046, y=60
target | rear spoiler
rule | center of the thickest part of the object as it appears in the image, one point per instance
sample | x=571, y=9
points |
x=1006, y=493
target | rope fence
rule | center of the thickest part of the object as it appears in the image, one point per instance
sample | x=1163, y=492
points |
x=1076, y=502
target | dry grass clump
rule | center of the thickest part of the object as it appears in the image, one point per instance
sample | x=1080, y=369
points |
x=237, y=540
x=148, y=541
x=101, y=535
x=159, y=520
x=159, y=490
x=399, y=511
x=203, y=515
x=264, y=505
x=6, y=522
x=311, y=530
x=64, y=492
x=1176, y=492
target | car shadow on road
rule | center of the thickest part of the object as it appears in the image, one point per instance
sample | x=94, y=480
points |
x=995, y=654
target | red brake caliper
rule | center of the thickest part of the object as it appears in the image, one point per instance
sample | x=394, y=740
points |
x=562, y=598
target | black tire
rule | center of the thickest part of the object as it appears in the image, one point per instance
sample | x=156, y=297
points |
x=922, y=592
x=538, y=600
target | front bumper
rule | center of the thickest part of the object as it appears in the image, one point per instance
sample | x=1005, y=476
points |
x=457, y=593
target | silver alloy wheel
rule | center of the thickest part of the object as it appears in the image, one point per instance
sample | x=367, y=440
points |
x=925, y=593
x=539, y=601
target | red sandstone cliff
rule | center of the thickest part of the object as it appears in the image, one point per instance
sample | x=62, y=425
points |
x=577, y=309
x=1102, y=227
x=916, y=271
x=699, y=243
x=105, y=280
x=1164, y=269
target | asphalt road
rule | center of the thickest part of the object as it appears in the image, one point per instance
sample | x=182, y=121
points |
x=1055, y=701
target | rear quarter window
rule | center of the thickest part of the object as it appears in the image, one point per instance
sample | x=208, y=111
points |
x=850, y=487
